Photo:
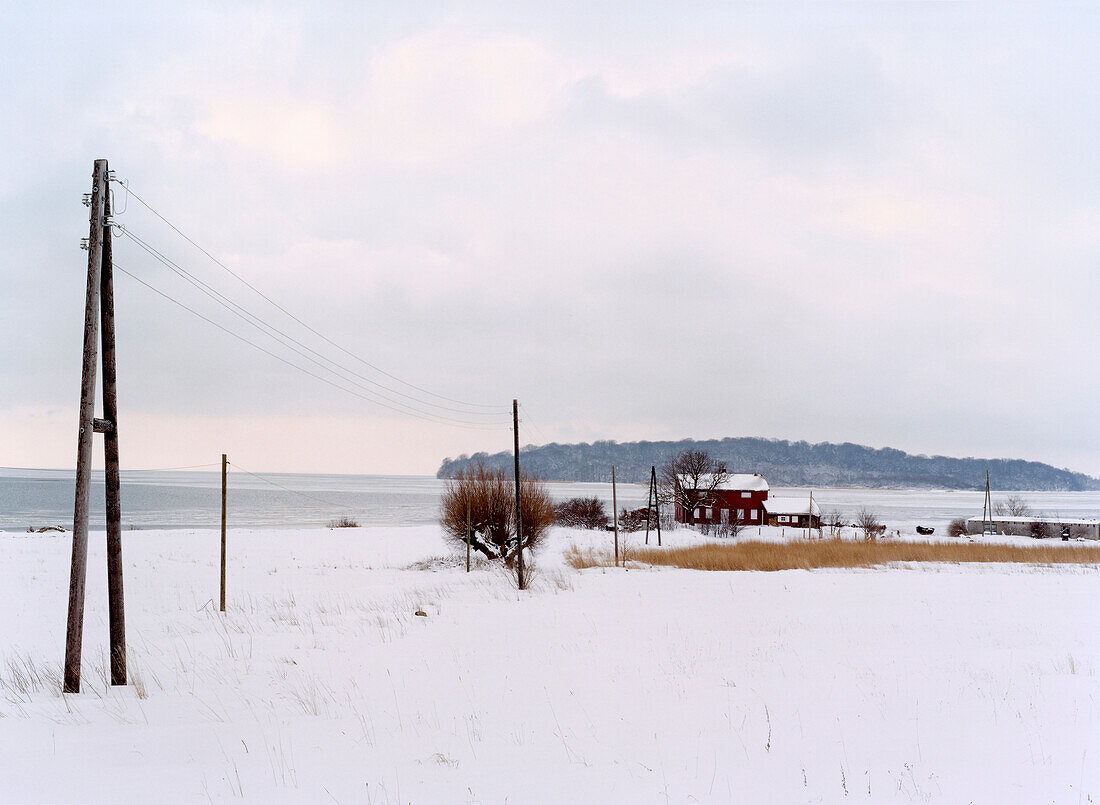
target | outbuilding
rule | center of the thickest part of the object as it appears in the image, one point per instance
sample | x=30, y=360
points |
x=795, y=512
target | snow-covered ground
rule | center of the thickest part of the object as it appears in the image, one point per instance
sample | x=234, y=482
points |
x=930, y=684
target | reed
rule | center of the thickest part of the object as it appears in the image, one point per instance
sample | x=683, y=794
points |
x=810, y=554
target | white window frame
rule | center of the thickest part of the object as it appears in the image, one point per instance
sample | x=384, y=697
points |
x=696, y=512
x=710, y=513
x=746, y=494
x=752, y=514
x=782, y=518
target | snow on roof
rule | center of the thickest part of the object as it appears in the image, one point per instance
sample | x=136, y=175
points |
x=790, y=506
x=744, y=482
x=1036, y=518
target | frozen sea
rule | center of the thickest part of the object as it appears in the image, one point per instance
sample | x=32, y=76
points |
x=193, y=499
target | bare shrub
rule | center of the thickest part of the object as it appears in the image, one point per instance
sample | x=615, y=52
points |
x=834, y=520
x=957, y=528
x=581, y=513
x=490, y=498
x=632, y=519
x=868, y=523
x=343, y=522
x=1041, y=530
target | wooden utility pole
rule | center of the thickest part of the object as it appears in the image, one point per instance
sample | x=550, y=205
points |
x=656, y=503
x=225, y=466
x=520, y=580
x=810, y=515
x=113, y=483
x=467, y=528
x=653, y=503
x=987, y=510
x=98, y=308
x=615, y=513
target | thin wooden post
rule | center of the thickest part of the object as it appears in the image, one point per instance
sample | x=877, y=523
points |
x=648, y=509
x=467, y=528
x=74, y=633
x=225, y=465
x=115, y=599
x=521, y=581
x=615, y=513
x=656, y=504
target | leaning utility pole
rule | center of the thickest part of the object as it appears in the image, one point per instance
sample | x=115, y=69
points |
x=653, y=503
x=987, y=510
x=520, y=580
x=98, y=308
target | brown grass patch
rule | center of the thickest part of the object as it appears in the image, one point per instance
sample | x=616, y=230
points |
x=809, y=554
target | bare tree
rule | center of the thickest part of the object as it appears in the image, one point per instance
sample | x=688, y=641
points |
x=1012, y=506
x=867, y=522
x=957, y=528
x=834, y=520
x=488, y=498
x=690, y=479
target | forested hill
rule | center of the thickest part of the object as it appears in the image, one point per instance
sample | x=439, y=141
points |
x=785, y=463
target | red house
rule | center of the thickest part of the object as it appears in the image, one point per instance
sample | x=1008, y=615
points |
x=738, y=499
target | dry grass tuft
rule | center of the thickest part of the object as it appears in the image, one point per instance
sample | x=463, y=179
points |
x=809, y=554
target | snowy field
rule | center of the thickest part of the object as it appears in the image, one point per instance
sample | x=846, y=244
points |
x=918, y=684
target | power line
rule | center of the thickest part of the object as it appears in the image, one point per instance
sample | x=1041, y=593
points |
x=280, y=486
x=286, y=312
x=142, y=469
x=282, y=338
x=545, y=439
x=426, y=417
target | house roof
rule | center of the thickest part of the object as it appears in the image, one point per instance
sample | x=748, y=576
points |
x=741, y=482
x=790, y=506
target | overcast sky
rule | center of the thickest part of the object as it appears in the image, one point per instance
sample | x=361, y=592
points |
x=871, y=223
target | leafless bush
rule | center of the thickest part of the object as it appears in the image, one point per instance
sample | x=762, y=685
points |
x=581, y=513
x=343, y=522
x=489, y=496
x=957, y=528
x=868, y=523
x=632, y=519
x=1041, y=530
x=834, y=520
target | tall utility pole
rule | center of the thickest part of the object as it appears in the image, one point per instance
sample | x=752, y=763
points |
x=520, y=580
x=987, y=510
x=653, y=503
x=615, y=513
x=225, y=466
x=99, y=309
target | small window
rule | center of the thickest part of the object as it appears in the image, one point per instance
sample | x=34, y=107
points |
x=783, y=518
x=752, y=514
x=746, y=494
x=740, y=515
x=709, y=512
x=696, y=514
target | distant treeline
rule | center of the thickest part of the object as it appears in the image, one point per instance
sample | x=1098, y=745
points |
x=785, y=463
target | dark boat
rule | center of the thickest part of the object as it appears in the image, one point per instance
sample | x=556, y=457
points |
x=925, y=530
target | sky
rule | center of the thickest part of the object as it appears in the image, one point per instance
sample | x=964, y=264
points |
x=866, y=222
